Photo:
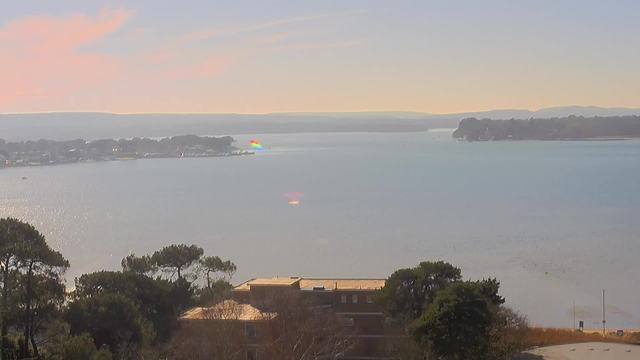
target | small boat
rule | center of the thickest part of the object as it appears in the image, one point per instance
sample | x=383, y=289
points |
x=24, y=178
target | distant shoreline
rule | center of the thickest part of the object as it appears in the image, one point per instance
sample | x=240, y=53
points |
x=562, y=140
x=49, y=152
x=571, y=128
x=123, y=159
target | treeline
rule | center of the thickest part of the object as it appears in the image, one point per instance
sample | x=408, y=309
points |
x=433, y=314
x=133, y=313
x=572, y=127
x=104, y=147
x=128, y=314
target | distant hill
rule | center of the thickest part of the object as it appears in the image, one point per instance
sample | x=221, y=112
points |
x=65, y=126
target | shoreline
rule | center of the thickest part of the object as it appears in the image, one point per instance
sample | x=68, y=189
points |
x=124, y=159
x=560, y=140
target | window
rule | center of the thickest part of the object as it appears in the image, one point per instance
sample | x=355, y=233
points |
x=369, y=299
x=343, y=298
x=251, y=354
x=250, y=330
x=354, y=299
x=347, y=322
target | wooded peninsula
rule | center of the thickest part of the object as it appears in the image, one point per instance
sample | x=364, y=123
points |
x=49, y=152
x=566, y=128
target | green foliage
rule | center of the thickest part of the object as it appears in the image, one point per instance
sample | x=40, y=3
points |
x=489, y=289
x=102, y=354
x=216, y=273
x=141, y=265
x=182, y=294
x=25, y=255
x=152, y=297
x=111, y=319
x=82, y=347
x=456, y=325
x=407, y=292
x=448, y=319
x=48, y=297
x=128, y=314
x=176, y=258
x=215, y=268
x=217, y=291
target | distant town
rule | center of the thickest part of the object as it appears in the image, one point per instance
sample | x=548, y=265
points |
x=49, y=152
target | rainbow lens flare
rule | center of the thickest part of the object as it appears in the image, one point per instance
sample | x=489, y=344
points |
x=256, y=145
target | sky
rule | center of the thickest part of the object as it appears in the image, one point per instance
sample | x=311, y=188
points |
x=209, y=56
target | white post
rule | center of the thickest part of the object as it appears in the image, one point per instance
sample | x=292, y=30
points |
x=604, y=319
x=574, y=315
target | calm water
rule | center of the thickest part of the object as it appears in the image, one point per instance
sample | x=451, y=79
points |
x=555, y=222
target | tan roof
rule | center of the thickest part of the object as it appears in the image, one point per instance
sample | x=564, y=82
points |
x=227, y=310
x=328, y=283
x=274, y=281
x=343, y=284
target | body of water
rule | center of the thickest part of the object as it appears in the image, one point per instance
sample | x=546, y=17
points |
x=554, y=221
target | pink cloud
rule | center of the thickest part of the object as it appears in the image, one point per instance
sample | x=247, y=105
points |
x=39, y=52
x=44, y=66
x=137, y=35
x=157, y=57
x=208, y=68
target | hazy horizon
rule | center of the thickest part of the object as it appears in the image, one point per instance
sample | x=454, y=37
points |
x=258, y=58
x=326, y=111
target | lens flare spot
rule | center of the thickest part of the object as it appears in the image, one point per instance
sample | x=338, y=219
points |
x=256, y=145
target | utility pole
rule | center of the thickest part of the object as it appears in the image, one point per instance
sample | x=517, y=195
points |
x=604, y=319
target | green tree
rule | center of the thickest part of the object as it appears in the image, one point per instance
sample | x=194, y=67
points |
x=153, y=297
x=219, y=290
x=177, y=258
x=489, y=289
x=217, y=274
x=47, y=298
x=36, y=258
x=182, y=294
x=111, y=319
x=456, y=324
x=141, y=265
x=407, y=292
x=11, y=232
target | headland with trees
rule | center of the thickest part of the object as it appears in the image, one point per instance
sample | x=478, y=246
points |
x=565, y=128
x=49, y=152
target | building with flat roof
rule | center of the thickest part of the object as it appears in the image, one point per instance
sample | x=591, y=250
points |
x=352, y=299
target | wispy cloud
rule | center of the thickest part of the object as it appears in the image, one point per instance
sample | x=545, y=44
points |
x=44, y=61
x=274, y=38
x=208, y=33
x=40, y=55
x=323, y=45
